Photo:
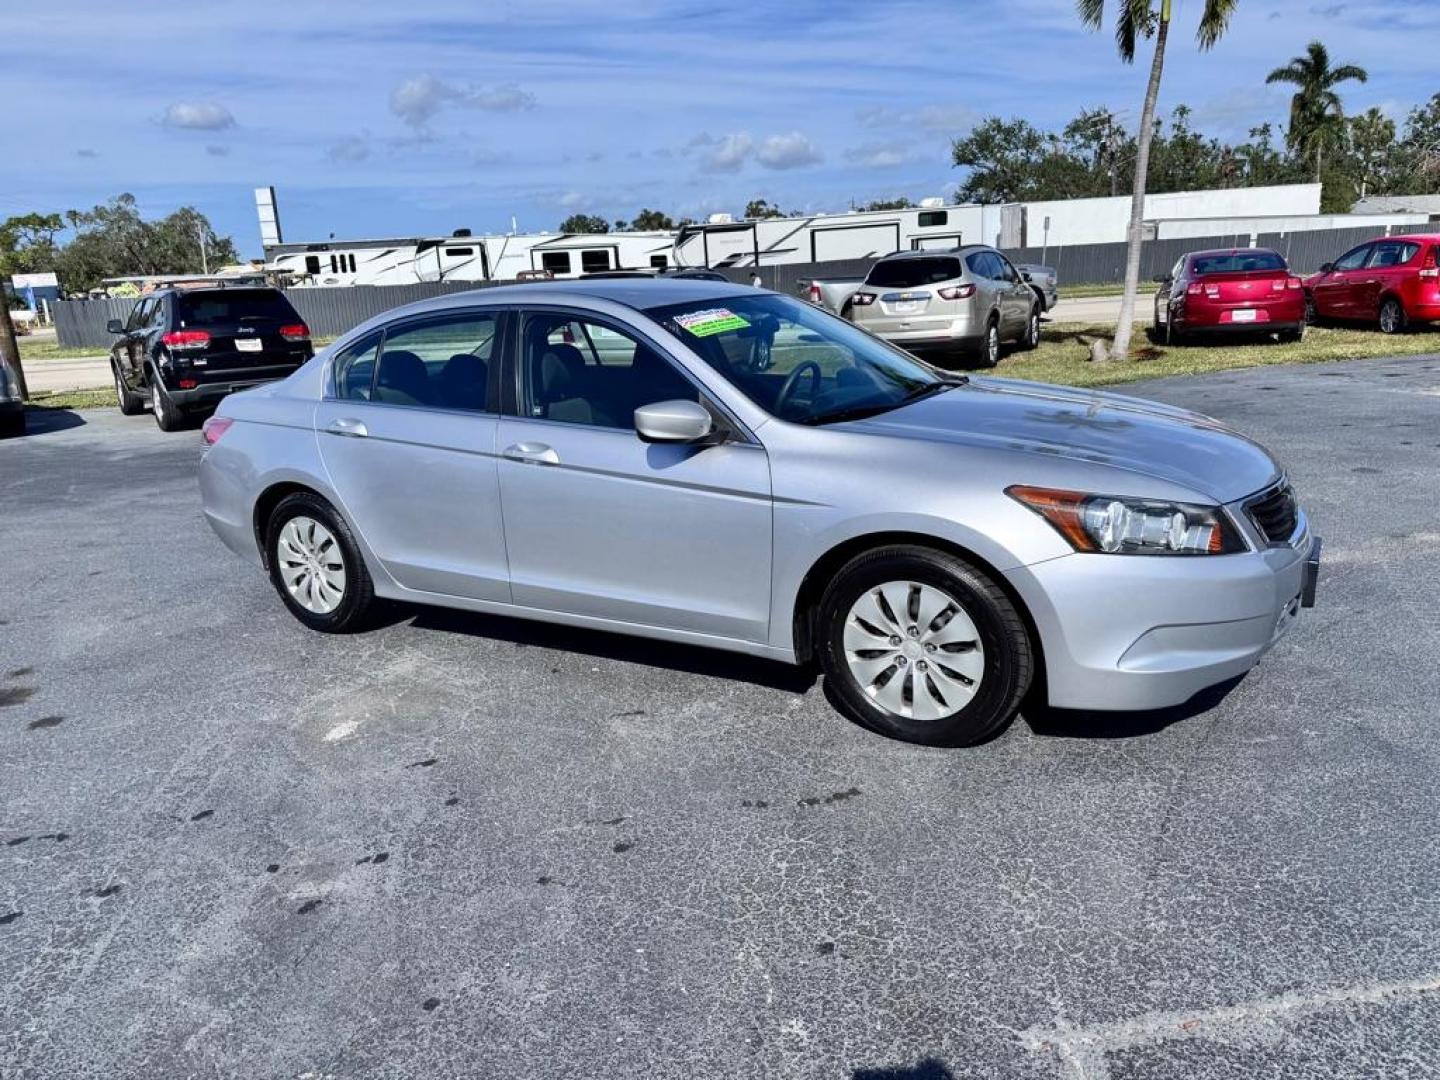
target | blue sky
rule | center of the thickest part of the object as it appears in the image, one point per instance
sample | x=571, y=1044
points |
x=377, y=118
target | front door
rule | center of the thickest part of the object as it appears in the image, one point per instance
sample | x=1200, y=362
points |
x=1016, y=298
x=601, y=524
x=1336, y=292
x=408, y=439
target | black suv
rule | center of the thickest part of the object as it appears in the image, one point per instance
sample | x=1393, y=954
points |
x=185, y=349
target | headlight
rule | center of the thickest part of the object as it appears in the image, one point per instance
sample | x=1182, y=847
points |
x=1121, y=525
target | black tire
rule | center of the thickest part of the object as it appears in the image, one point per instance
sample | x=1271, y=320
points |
x=1392, y=316
x=1312, y=313
x=167, y=416
x=1040, y=304
x=357, y=601
x=130, y=404
x=1008, y=663
x=989, y=354
x=1291, y=336
x=1031, y=338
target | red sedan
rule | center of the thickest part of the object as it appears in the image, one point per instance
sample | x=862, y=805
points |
x=1391, y=282
x=1241, y=290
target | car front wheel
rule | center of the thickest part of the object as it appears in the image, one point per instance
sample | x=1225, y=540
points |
x=1031, y=338
x=316, y=566
x=922, y=646
x=130, y=405
x=990, y=345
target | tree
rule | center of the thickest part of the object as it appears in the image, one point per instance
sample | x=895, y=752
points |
x=1317, y=121
x=27, y=243
x=584, y=223
x=1136, y=19
x=760, y=209
x=115, y=241
x=651, y=220
x=902, y=203
x=1417, y=157
x=1370, y=137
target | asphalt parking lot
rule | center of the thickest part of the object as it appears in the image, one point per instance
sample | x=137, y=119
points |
x=460, y=846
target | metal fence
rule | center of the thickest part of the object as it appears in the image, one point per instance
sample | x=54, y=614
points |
x=332, y=311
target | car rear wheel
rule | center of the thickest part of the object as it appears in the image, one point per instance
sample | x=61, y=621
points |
x=1289, y=337
x=167, y=416
x=1392, y=316
x=990, y=345
x=920, y=645
x=130, y=404
x=316, y=566
x=1031, y=338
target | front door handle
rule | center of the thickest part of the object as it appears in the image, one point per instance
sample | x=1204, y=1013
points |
x=347, y=426
x=532, y=453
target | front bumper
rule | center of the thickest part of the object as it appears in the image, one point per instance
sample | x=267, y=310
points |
x=1122, y=632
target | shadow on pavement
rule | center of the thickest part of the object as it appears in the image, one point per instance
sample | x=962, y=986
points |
x=1088, y=724
x=659, y=654
x=929, y=1069
x=39, y=420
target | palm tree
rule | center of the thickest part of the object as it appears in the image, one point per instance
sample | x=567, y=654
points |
x=1316, y=118
x=1135, y=19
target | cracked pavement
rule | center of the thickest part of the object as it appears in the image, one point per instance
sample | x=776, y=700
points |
x=605, y=856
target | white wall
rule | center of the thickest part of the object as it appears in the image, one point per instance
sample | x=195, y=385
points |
x=1245, y=226
x=1103, y=221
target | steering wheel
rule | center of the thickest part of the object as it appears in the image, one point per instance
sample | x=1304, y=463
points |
x=793, y=380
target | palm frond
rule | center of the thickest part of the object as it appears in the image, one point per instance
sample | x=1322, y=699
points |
x=1092, y=12
x=1287, y=74
x=1349, y=71
x=1214, y=21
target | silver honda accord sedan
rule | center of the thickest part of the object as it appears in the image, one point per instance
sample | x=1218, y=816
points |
x=724, y=466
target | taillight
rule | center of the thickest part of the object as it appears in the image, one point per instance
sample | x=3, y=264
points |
x=188, y=384
x=1277, y=285
x=186, y=339
x=214, y=428
x=1429, y=271
x=1294, y=283
x=863, y=299
x=1194, y=289
x=295, y=332
x=814, y=294
x=1212, y=292
x=957, y=292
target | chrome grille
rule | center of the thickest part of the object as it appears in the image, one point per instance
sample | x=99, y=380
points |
x=1275, y=512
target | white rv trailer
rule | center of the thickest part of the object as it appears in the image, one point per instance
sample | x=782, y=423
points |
x=725, y=242
x=463, y=257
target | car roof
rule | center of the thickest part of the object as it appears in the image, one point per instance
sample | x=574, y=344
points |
x=635, y=292
x=934, y=252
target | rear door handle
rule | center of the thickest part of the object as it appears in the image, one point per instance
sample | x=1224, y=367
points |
x=533, y=453
x=347, y=426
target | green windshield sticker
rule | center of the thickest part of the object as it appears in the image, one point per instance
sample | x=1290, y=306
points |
x=711, y=321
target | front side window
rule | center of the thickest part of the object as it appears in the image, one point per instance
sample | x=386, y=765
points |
x=1003, y=270
x=1353, y=260
x=576, y=371
x=439, y=363
x=140, y=314
x=354, y=369
x=796, y=361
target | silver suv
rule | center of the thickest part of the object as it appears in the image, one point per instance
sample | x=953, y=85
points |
x=971, y=298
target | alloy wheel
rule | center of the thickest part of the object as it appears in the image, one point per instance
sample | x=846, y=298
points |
x=1389, y=317
x=311, y=565
x=992, y=345
x=913, y=650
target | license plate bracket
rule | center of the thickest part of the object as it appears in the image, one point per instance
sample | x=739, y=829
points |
x=248, y=344
x=1244, y=315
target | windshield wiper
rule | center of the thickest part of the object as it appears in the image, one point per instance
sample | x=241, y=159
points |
x=861, y=412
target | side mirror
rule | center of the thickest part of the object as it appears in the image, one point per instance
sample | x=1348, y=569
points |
x=114, y=326
x=1325, y=268
x=673, y=422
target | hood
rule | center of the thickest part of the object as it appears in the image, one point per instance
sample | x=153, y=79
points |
x=1141, y=437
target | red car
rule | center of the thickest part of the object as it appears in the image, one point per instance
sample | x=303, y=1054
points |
x=1247, y=290
x=1392, y=282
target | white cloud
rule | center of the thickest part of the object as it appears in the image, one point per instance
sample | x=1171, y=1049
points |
x=571, y=200
x=349, y=150
x=727, y=153
x=932, y=119
x=790, y=151
x=878, y=155
x=198, y=116
x=417, y=100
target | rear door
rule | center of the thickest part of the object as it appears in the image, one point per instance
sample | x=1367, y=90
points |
x=407, y=434
x=253, y=333
x=1384, y=274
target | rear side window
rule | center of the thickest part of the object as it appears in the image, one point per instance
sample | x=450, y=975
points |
x=1392, y=253
x=439, y=363
x=354, y=368
x=227, y=307
x=910, y=273
x=1238, y=262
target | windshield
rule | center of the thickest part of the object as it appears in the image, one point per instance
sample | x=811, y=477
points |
x=911, y=273
x=798, y=362
x=226, y=307
x=1238, y=262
